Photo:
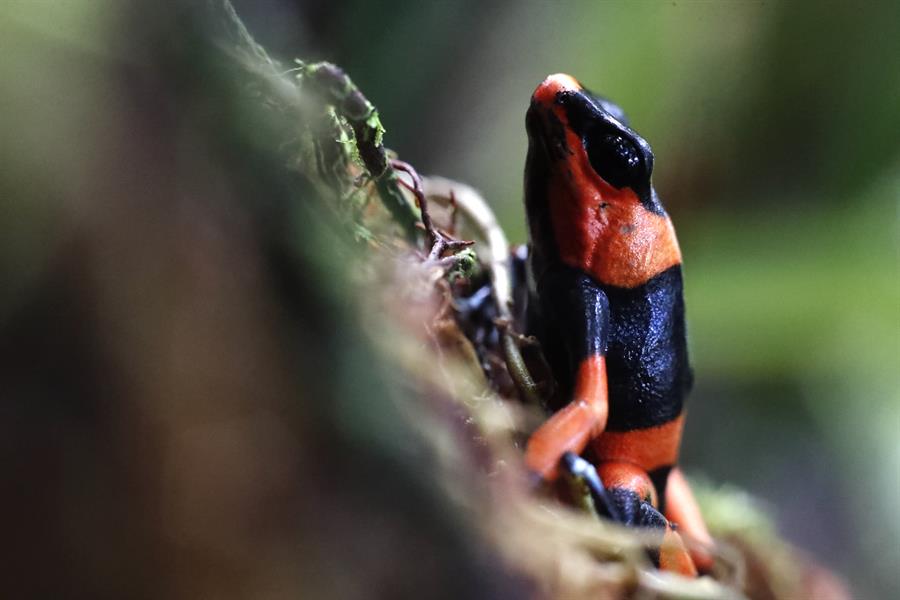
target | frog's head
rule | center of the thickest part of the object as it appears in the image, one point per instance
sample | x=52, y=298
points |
x=587, y=146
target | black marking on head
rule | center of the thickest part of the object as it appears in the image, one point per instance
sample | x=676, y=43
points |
x=609, y=106
x=558, y=145
x=544, y=128
x=542, y=250
x=547, y=145
x=614, y=158
x=616, y=152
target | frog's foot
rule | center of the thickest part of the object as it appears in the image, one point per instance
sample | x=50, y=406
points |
x=670, y=554
x=634, y=501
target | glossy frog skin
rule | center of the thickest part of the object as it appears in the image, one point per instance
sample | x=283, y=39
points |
x=605, y=300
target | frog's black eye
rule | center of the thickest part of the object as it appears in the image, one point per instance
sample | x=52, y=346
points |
x=614, y=158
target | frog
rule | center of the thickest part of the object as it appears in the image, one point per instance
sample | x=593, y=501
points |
x=605, y=300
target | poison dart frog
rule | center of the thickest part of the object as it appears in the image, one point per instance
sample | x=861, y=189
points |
x=605, y=302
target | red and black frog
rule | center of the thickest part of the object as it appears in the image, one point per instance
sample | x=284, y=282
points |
x=605, y=301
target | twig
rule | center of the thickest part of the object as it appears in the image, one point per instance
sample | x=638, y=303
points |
x=416, y=189
x=515, y=364
x=438, y=241
x=454, y=213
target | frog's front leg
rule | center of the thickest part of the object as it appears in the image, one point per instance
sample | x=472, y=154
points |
x=577, y=311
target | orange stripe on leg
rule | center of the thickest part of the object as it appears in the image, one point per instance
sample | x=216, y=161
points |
x=648, y=448
x=570, y=429
x=682, y=509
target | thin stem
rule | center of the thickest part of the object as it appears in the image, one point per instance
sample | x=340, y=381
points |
x=416, y=188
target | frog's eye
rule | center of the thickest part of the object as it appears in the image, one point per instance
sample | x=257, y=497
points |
x=614, y=158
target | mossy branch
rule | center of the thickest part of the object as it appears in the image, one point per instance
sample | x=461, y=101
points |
x=313, y=87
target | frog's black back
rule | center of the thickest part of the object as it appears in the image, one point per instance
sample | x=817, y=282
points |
x=645, y=342
x=647, y=361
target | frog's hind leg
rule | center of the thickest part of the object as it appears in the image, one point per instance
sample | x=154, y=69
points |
x=634, y=496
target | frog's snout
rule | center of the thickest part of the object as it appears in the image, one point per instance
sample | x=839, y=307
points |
x=547, y=90
x=546, y=120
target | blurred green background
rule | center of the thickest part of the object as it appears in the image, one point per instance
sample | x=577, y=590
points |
x=776, y=129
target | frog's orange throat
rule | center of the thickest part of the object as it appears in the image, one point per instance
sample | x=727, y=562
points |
x=604, y=231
